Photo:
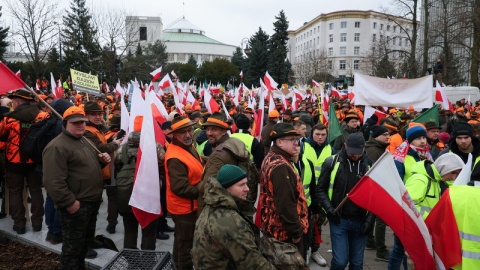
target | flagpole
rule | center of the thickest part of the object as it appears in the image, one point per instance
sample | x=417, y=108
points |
x=56, y=113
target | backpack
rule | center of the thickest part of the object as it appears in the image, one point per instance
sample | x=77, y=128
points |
x=124, y=180
x=39, y=135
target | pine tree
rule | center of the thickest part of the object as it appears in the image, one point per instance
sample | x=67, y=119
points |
x=53, y=62
x=277, y=45
x=192, y=60
x=384, y=68
x=81, y=47
x=258, y=57
x=3, y=38
x=238, y=59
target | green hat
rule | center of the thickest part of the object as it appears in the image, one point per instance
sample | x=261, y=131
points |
x=217, y=119
x=92, y=106
x=21, y=93
x=282, y=130
x=115, y=120
x=229, y=175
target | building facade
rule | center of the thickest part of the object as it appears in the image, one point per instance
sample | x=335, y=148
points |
x=182, y=39
x=345, y=42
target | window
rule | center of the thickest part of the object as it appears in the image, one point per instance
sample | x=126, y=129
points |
x=343, y=25
x=374, y=37
x=388, y=27
x=374, y=25
x=388, y=40
x=356, y=37
x=343, y=50
x=343, y=37
x=400, y=41
x=356, y=50
x=381, y=26
x=394, y=41
x=330, y=38
x=330, y=26
x=314, y=30
x=357, y=24
x=330, y=64
x=356, y=64
x=343, y=64
x=394, y=28
x=330, y=51
x=143, y=33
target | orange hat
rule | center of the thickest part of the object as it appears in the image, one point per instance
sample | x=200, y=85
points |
x=460, y=109
x=413, y=124
x=74, y=114
x=187, y=107
x=42, y=96
x=411, y=109
x=392, y=111
x=197, y=108
x=273, y=114
x=137, y=123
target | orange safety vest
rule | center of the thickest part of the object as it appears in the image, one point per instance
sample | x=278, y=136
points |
x=17, y=131
x=105, y=170
x=178, y=205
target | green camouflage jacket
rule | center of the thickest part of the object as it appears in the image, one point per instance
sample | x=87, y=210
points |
x=224, y=237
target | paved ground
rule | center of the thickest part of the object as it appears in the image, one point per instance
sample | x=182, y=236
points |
x=105, y=255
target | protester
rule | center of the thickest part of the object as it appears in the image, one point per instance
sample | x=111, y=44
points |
x=254, y=147
x=273, y=118
x=433, y=133
x=352, y=125
x=72, y=176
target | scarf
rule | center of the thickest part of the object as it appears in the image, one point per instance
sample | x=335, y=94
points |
x=402, y=151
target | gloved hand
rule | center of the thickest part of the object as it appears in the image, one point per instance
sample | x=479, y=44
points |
x=367, y=226
x=333, y=216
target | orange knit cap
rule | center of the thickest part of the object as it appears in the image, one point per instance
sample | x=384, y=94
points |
x=273, y=114
x=137, y=123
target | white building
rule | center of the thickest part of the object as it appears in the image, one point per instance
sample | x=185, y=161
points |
x=182, y=39
x=344, y=42
x=143, y=30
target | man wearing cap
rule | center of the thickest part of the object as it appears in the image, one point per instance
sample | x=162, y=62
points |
x=393, y=115
x=350, y=224
x=273, y=118
x=226, y=150
x=395, y=137
x=287, y=116
x=72, y=175
x=282, y=203
x=433, y=132
x=473, y=118
x=352, y=125
x=95, y=132
x=253, y=145
x=19, y=167
x=183, y=169
x=224, y=237
x=459, y=116
x=374, y=148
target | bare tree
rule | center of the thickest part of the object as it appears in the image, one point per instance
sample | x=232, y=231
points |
x=35, y=30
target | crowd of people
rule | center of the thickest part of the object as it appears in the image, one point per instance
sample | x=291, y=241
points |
x=223, y=186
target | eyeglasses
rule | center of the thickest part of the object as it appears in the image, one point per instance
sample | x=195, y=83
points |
x=292, y=140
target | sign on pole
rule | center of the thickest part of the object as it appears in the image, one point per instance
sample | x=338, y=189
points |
x=84, y=82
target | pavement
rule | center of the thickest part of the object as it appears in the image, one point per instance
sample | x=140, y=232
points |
x=105, y=256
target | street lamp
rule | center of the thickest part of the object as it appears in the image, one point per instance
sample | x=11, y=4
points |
x=233, y=81
x=245, y=51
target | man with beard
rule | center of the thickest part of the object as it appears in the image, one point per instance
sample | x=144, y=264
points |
x=352, y=125
x=462, y=142
x=433, y=133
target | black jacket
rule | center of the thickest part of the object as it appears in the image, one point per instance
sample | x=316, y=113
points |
x=348, y=174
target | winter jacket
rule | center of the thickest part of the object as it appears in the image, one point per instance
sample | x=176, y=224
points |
x=225, y=237
x=266, y=142
x=339, y=142
x=72, y=171
x=375, y=149
x=347, y=176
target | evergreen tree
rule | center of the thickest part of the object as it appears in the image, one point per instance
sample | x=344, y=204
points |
x=219, y=70
x=3, y=38
x=53, y=62
x=82, y=51
x=139, y=51
x=258, y=57
x=278, y=68
x=192, y=60
x=384, y=68
x=238, y=60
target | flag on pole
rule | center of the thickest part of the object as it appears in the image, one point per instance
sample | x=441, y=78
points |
x=145, y=199
x=430, y=115
x=9, y=80
x=441, y=97
x=53, y=85
x=269, y=82
x=334, y=128
x=382, y=192
x=369, y=111
x=156, y=74
x=315, y=83
x=241, y=74
x=19, y=73
x=210, y=103
x=173, y=74
x=258, y=114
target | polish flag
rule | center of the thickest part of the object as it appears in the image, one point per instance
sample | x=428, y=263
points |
x=225, y=111
x=210, y=103
x=9, y=80
x=315, y=83
x=324, y=106
x=338, y=94
x=382, y=183
x=369, y=111
x=441, y=97
x=269, y=82
x=53, y=84
x=156, y=74
x=241, y=74
x=166, y=82
x=271, y=104
x=294, y=101
x=214, y=89
x=258, y=115
x=59, y=90
x=145, y=199
x=443, y=228
x=173, y=74
x=19, y=73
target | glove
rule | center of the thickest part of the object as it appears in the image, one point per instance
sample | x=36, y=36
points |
x=333, y=216
x=367, y=226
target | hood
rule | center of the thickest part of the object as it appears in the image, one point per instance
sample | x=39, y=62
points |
x=216, y=196
x=61, y=105
x=25, y=113
x=419, y=168
x=236, y=147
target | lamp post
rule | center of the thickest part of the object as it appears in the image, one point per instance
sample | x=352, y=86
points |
x=245, y=50
x=233, y=81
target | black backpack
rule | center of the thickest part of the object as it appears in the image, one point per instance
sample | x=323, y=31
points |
x=124, y=181
x=39, y=135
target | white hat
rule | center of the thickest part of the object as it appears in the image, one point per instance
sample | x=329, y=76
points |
x=448, y=162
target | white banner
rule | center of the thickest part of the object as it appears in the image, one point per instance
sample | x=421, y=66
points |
x=401, y=93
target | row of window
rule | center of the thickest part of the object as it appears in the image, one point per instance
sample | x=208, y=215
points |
x=343, y=51
x=342, y=25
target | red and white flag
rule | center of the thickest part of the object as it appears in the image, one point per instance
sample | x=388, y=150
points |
x=269, y=82
x=19, y=73
x=59, y=90
x=210, y=103
x=369, y=111
x=241, y=74
x=173, y=74
x=315, y=83
x=119, y=89
x=258, y=114
x=156, y=74
x=441, y=97
x=443, y=228
x=145, y=199
x=165, y=83
x=9, y=80
x=382, y=192
x=53, y=85
x=214, y=89
x=338, y=94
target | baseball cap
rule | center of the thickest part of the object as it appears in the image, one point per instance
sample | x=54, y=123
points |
x=355, y=144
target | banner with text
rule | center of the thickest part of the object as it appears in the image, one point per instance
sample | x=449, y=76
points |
x=401, y=93
x=84, y=82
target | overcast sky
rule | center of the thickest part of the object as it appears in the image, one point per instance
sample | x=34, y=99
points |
x=229, y=21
